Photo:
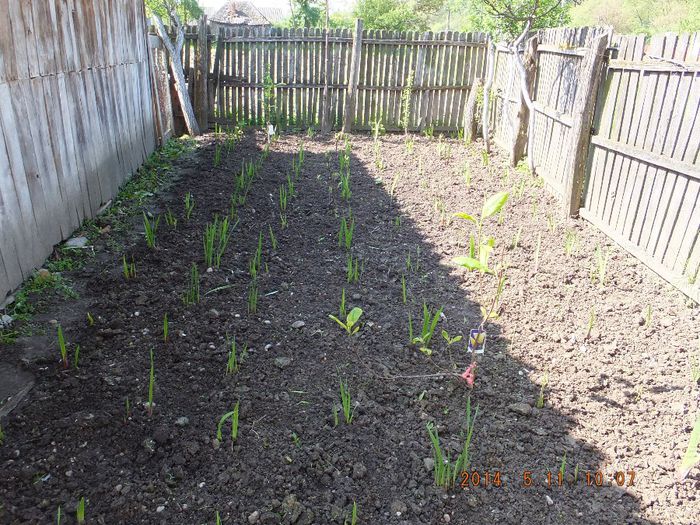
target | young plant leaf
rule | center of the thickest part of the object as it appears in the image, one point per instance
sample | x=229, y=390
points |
x=471, y=264
x=494, y=204
x=354, y=316
x=465, y=216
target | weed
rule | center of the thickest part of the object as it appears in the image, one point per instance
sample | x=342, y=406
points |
x=570, y=242
x=296, y=440
x=345, y=191
x=62, y=346
x=253, y=295
x=406, y=94
x=233, y=416
x=80, y=512
x=283, y=196
x=150, y=229
x=165, y=327
x=352, y=269
x=543, y=385
x=695, y=368
x=351, y=319
x=647, y=316
x=445, y=472
x=151, y=386
x=430, y=321
x=342, y=311
x=189, y=205
x=192, y=294
x=232, y=366
x=591, y=321
x=394, y=183
x=537, y=251
x=467, y=174
x=345, y=234
x=516, y=238
x=600, y=266
x=403, y=288
x=273, y=239
x=692, y=453
x=216, y=237
x=353, y=515
x=128, y=269
x=346, y=401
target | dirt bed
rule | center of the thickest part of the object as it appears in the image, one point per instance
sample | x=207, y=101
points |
x=614, y=358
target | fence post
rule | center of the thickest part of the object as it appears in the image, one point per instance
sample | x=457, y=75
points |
x=215, y=83
x=201, y=72
x=582, y=113
x=520, y=130
x=353, y=77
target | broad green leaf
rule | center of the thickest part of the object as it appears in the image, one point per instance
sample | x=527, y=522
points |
x=494, y=204
x=465, y=216
x=445, y=335
x=354, y=316
x=471, y=264
x=457, y=339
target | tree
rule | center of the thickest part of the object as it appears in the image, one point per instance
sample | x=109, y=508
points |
x=305, y=13
x=397, y=15
x=175, y=11
x=639, y=16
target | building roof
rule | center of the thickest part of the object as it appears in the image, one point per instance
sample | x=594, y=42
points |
x=245, y=13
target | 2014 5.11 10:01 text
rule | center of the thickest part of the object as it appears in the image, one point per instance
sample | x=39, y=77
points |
x=528, y=478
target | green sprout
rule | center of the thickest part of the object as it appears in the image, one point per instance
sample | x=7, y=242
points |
x=2, y=436
x=232, y=365
x=170, y=219
x=352, y=269
x=150, y=229
x=591, y=321
x=479, y=251
x=80, y=511
x=189, y=205
x=346, y=402
x=570, y=242
x=192, y=294
x=445, y=472
x=430, y=321
x=543, y=385
x=692, y=454
x=165, y=327
x=273, y=239
x=90, y=319
x=253, y=295
x=62, y=346
x=345, y=191
x=233, y=416
x=599, y=270
x=76, y=356
x=350, y=324
x=353, y=515
x=403, y=289
x=342, y=311
x=345, y=234
x=127, y=409
x=128, y=269
x=151, y=386
x=450, y=340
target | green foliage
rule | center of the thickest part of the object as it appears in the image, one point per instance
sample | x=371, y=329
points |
x=233, y=416
x=350, y=324
x=305, y=13
x=479, y=252
x=80, y=512
x=150, y=228
x=192, y=294
x=639, y=16
x=430, y=321
x=445, y=472
x=151, y=386
x=397, y=15
x=346, y=401
x=692, y=454
x=406, y=94
x=62, y=346
x=2, y=436
x=187, y=10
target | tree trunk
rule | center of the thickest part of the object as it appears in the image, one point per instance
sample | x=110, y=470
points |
x=178, y=73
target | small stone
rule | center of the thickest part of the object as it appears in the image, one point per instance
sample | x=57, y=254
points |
x=298, y=324
x=182, y=421
x=398, y=507
x=429, y=464
x=77, y=242
x=550, y=502
x=522, y=409
x=43, y=274
x=213, y=313
x=254, y=518
x=282, y=362
x=210, y=269
x=160, y=508
x=356, y=297
x=446, y=518
x=6, y=321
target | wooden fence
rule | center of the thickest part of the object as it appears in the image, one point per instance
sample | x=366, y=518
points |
x=363, y=87
x=622, y=151
x=76, y=118
x=643, y=177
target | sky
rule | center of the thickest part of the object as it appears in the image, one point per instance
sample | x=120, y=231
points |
x=336, y=5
